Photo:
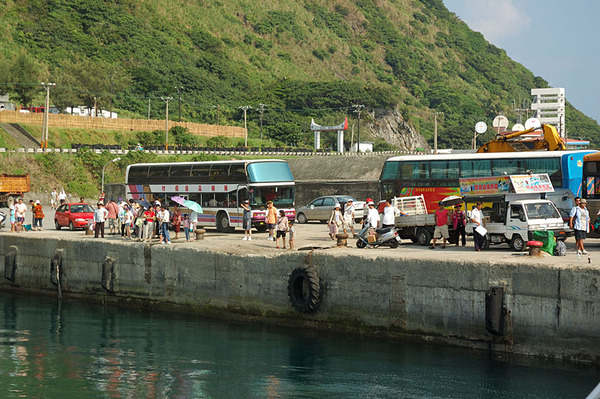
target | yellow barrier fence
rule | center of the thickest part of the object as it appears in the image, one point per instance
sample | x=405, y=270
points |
x=87, y=122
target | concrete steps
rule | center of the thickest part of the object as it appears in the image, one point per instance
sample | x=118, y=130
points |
x=21, y=136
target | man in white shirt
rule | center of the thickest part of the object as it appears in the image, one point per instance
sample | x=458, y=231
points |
x=100, y=215
x=164, y=226
x=372, y=216
x=477, y=220
x=389, y=217
x=20, y=210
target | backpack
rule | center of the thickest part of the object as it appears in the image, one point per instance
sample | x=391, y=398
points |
x=561, y=249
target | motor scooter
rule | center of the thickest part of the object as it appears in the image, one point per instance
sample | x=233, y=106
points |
x=386, y=236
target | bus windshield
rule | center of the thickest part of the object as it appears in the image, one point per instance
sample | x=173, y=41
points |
x=261, y=172
x=282, y=196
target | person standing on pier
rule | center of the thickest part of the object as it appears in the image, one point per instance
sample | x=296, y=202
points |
x=113, y=212
x=165, y=217
x=441, y=226
x=579, y=222
x=282, y=228
x=38, y=216
x=100, y=215
x=477, y=219
x=349, y=215
x=459, y=221
x=20, y=210
x=247, y=221
x=271, y=219
x=176, y=221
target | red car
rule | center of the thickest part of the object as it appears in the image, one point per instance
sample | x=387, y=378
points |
x=75, y=216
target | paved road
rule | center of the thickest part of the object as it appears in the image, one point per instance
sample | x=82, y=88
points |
x=315, y=235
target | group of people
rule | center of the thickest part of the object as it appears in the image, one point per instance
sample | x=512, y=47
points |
x=277, y=222
x=132, y=220
x=18, y=212
x=459, y=223
x=57, y=198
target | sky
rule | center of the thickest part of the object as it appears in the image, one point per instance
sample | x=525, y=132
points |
x=558, y=40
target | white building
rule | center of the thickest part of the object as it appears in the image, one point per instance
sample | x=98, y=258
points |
x=83, y=111
x=549, y=106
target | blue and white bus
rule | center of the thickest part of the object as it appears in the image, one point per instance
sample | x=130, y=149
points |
x=437, y=176
x=219, y=186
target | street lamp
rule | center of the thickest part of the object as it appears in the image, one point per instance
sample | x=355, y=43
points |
x=47, y=86
x=114, y=160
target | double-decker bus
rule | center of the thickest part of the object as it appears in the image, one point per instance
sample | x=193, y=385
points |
x=437, y=176
x=219, y=186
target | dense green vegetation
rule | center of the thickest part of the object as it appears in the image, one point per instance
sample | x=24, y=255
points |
x=301, y=59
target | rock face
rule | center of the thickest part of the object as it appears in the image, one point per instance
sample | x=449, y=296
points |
x=388, y=124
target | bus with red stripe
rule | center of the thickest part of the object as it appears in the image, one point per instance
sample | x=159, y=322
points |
x=219, y=187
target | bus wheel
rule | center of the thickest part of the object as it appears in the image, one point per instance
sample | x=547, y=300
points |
x=423, y=236
x=517, y=243
x=223, y=223
x=261, y=228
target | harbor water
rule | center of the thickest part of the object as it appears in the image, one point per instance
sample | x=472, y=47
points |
x=82, y=350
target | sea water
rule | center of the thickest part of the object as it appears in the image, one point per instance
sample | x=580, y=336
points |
x=80, y=350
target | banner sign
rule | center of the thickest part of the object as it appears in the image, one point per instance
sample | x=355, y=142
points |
x=497, y=185
x=525, y=184
x=484, y=185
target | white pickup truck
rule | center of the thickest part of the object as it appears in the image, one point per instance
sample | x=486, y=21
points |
x=514, y=221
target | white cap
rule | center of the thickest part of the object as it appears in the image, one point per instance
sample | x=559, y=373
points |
x=37, y=201
x=337, y=205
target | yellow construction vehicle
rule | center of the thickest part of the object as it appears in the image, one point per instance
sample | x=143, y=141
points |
x=509, y=143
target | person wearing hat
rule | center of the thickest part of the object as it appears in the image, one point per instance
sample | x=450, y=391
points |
x=38, y=216
x=579, y=222
x=336, y=221
x=372, y=219
x=349, y=216
x=247, y=221
x=459, y=222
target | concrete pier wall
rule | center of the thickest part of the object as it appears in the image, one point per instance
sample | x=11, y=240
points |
x=550, y=310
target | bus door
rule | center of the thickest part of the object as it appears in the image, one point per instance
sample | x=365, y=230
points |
x=591, y=176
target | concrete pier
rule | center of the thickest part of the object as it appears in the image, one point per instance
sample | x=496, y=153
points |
x=507, y=305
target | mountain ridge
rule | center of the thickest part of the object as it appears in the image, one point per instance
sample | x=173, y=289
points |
x=302, y=59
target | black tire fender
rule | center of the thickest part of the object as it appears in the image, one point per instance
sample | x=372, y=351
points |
x=304, y=289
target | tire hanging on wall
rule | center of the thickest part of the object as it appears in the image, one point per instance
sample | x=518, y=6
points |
x=304, y=289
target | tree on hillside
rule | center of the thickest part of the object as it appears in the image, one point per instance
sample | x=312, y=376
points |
x=26, y=76
x=92, y=82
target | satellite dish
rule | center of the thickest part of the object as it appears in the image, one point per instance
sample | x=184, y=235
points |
x=480, y=127
x=500, y=121
x=532, y=122
x=517, y=127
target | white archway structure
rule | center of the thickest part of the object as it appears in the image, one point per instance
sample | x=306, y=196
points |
x=317, y=129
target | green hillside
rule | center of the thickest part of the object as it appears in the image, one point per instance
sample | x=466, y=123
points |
x=301, y=59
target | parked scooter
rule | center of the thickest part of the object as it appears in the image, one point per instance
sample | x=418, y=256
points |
x=2, y=219
x=386, y=236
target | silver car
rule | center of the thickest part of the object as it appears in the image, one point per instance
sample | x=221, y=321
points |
x=320, y=209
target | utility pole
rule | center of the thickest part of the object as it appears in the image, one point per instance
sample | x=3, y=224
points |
x=435, y=147
x=148, y=109
x=179, y=96
x=245, y=108
x=218, y=110
x=261, y=108
x=166, y=100
x=358, y=109
x=44, y=143
x=95, y=113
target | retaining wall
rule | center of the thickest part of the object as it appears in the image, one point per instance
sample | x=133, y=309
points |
x=551, y=311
